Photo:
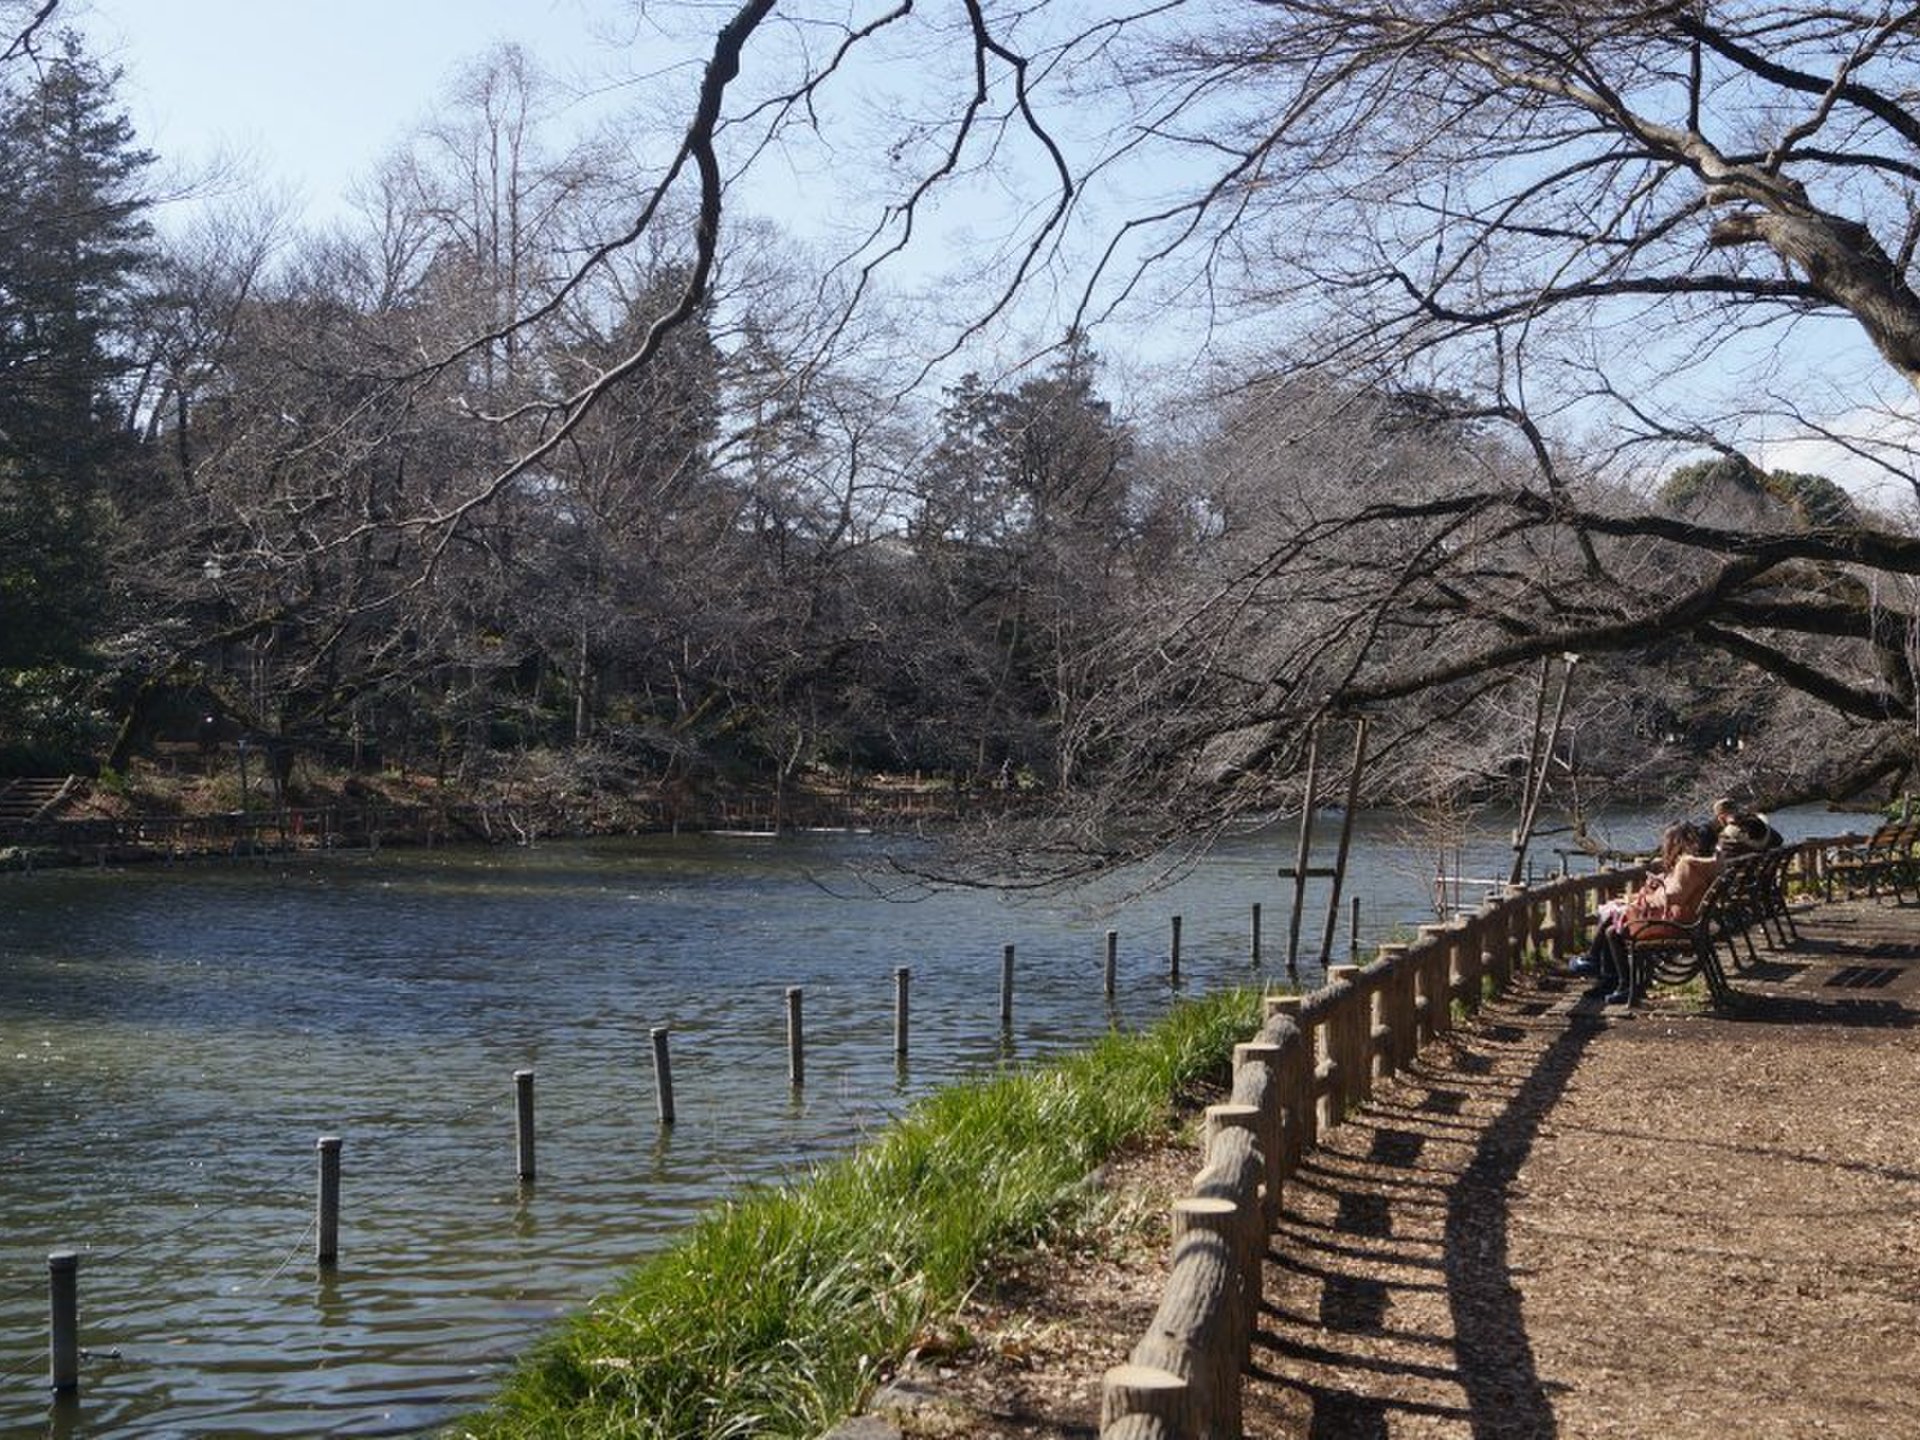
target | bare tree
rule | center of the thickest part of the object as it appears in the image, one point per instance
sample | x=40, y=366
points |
x=1542, y=217
x=22, y=23
x=1476, y=275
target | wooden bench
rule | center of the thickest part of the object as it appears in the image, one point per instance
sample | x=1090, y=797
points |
x=1884, y=857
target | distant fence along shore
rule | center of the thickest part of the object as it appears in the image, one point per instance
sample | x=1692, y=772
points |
x=118, y=840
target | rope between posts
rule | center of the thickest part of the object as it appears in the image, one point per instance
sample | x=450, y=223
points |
x=111, y=1257
x=422, y=1166
x=259, y=1289
x=32, y=1288
x=299, y=1248
x=835, y=1095
x=196, y=1218
x=23, y=1291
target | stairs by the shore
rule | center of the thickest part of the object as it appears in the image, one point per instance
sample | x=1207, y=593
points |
x=23, y=801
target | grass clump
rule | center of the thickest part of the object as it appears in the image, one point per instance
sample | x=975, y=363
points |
x=779, y=1310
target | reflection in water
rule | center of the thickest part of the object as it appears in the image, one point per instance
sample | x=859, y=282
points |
x=526, y=1220
x=63, y=1417
x=172, y=1040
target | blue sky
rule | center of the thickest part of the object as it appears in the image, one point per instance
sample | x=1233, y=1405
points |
x=309, y=96
x=314, y=93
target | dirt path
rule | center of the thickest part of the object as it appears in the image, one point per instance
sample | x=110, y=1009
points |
x=1562, y=1223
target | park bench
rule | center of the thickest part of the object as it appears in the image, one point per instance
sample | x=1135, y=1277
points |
x=1748, y=893
x=1754, y=896
x=1776, y=909
x=1884, y=858
x=1673, y=953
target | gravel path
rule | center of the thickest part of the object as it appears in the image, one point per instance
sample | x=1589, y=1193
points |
x=1669, y=1225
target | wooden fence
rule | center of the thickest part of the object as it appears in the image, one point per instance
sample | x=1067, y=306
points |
x=236, y=833
x=1316, y=1058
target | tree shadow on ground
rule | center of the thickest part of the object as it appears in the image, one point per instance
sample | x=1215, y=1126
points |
x=1349, y=1360
x=1504, y=1393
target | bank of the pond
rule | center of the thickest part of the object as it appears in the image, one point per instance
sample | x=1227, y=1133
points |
x=187, y=805
x=782, y=1308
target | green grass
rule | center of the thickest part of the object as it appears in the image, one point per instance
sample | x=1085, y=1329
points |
x=778, y=1311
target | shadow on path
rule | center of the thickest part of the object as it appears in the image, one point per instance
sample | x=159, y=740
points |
x=1393, y=1293
x=1495, y=1357
x=1415, y=1248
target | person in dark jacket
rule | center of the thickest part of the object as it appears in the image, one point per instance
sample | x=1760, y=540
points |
x=1741, y=831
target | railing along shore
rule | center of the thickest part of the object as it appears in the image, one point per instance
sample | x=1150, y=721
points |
x=1317, y=1057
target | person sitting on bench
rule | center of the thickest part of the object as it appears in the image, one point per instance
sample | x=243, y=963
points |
x=1742, y=832
x=1658, y=910
x=1670, y=895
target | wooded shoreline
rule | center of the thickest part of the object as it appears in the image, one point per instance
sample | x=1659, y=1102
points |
x=134, y=837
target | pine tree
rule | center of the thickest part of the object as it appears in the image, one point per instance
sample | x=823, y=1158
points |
x=74, y=245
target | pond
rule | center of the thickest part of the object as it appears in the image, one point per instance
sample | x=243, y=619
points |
x=173, y=1040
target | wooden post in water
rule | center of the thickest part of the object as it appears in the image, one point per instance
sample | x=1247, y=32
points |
x=1353, y=934
x=326, y=1245
x=1539, y=760
x=1305, y=850
x=1173, y=954
x=63, y=1319
x=1006, y=988
x=1256, y=934
x=523, y=1123
x=1346, y=838
x=796, y=1040
x=663, y=1072
x=902, y=977
x=1113, y=961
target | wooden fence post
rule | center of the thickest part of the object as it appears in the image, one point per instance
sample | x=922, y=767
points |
x=1401, y=1010
x=1297, y=1083
x=1499, y=942
x=1226, y=1200
x=1262, y=1060
x=1469, y=974
x=1519, y=927
x=1348, y=1027
x=1195, y=1331
x=1431, y=965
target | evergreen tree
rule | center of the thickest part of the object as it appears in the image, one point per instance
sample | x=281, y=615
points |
x=74, y=244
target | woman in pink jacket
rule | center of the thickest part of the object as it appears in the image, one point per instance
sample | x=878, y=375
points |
x=1669, y=897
